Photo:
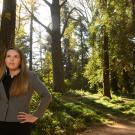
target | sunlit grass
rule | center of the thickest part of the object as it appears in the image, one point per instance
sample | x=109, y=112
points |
x=77, y=110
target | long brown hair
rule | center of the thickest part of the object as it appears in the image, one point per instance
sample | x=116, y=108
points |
x=20, y=83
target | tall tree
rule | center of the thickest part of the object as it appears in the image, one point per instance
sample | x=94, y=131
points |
x=7, y=29
x=58, y=70
x=31, y=32
x=8, y=20
x=100, y=33
x=106, y=82
x=133, y=28
x=56, y=35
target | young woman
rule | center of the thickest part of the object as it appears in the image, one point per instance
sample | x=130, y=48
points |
x=17, y=84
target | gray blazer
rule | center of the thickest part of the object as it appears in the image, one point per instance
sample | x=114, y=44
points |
x=10, y=108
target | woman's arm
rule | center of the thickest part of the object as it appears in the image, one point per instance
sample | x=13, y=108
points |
x=45, y=99
x=45, y=96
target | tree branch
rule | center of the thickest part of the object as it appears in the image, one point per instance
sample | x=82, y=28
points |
x=74, y=19
x=35, y=18
x=81, y=14
x=85, y=10
x=47, y=28
x=47, y=2
x=63, y=3
x=66, y=22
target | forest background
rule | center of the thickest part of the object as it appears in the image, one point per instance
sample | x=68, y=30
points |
x=84, y=52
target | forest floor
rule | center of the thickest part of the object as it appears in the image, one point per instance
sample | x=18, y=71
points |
x=120, y=127
x=119, y=113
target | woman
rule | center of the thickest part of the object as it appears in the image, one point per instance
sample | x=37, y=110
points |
x=17, y=84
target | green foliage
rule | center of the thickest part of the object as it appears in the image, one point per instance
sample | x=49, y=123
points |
x=48, y=125
x=34, y=102
x=47, y=71
x=76, y=110
x=93, y=72
x=66, y=118
x=117, y=18
x=75, y=54
x=76, y=82
x=21, y=40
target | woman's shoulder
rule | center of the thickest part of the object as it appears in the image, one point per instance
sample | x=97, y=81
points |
x=31, y=73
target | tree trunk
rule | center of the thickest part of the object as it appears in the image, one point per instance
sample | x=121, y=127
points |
x=133, y=25
x=31, y=41
x=133, y=9
x=58, y=71
x=82, y=46
x=114, y=82
x=8, y=20
x=7, y=32
x=126, y=80
x=106, y=82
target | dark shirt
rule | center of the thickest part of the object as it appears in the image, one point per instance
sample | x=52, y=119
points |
x=7, y=81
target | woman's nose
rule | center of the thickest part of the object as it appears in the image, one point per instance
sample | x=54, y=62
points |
x=11, y=58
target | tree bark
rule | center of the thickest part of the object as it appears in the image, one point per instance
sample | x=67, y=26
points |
x=106, y=82
x=133, y=25
x=7, y=29
x=31, y=41
x=7, y=33
x=58, y=70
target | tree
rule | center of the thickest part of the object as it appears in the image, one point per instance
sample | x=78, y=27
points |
x=56, y=35
x=8, y=21
x=106, y=82
x=31, y=32
x=58, y=69
x=21, y=37
x=133, y=29
x=100, y=20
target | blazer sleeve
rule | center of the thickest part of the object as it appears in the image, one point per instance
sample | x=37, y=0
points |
x=45, y=96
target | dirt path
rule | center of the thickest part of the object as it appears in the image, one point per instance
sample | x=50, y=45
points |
x=119, y=128
x=120, y=125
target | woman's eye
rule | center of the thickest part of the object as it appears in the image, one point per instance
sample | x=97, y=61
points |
x=16, y=56
x=8, y=56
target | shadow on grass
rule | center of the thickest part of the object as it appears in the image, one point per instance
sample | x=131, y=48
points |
x=99, y=108
x=73, y=113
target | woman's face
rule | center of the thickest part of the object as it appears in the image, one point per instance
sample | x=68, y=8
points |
x=12, y=60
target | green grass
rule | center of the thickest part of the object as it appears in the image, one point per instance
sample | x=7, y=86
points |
x=77, y=110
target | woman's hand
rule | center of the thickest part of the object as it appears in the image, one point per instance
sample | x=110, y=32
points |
x=25, y=117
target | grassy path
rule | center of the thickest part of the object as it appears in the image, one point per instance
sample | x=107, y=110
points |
x=118, y=114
